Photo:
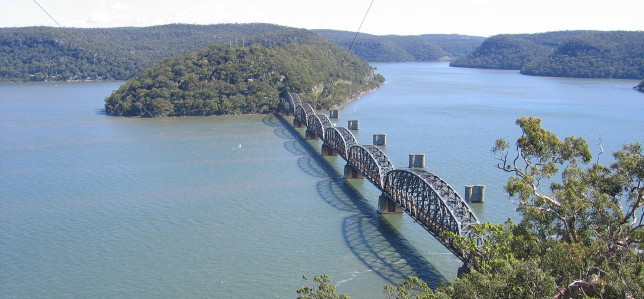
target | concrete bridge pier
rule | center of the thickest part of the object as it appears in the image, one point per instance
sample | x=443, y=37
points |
x=353, y=125
x=297, y=123
x=328, y=151
x=475, y=193
x=416, y=160
x=386, y=205
x=310, y=135
x=351, y=172
x=379, y=139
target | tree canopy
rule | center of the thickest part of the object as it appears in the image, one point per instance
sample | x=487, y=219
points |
x=639, y=87
x=225, y=79
x=581, y=54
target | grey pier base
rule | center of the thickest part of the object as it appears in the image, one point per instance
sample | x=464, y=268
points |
x=351, y=172
x=387, y=206
x=475, y=193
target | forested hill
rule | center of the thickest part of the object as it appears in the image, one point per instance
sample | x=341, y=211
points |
x=582, y=54
x=61, y=54
x=396, y=48
x=229, y=79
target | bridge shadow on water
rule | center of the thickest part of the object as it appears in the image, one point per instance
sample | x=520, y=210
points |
x=373, y=240
x=272, y=121
x=280, y=130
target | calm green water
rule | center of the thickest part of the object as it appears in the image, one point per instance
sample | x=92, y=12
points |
x=238, y=207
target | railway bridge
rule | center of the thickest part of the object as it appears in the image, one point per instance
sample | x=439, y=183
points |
x=424, y=196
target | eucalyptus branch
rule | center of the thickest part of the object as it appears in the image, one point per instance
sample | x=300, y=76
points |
x=601, y=148
x=537, y=194
x=634, y=207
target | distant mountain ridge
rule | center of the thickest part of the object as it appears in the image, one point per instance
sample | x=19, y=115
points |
x=581, y=54
x=64, y=54
x=408, y=48
x=61, y=54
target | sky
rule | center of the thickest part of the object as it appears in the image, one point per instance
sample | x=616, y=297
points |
x=400, y=17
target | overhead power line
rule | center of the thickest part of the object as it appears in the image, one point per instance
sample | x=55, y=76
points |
x=360, y=27
x=52, y=18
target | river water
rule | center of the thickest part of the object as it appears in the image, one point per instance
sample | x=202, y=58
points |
x=240, y=207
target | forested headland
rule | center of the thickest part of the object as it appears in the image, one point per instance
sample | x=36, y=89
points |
x=244, y=79
x=397, y=48
x=580, y=54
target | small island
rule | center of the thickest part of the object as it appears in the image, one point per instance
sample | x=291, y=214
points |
x=226, y=79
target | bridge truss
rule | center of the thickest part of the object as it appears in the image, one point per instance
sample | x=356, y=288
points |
x=424, y=196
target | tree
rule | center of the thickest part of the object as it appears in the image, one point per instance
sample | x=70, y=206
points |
x=639, y=87
x=594, y=213
x=581, y=233
x=322, y=290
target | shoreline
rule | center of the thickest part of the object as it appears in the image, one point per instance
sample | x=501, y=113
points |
x=357, y=97
x=334, y=107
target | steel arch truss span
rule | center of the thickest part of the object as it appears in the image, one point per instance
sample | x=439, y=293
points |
x=459, y=207
x=293, y=100
x=286, y=106
x=432, y=203
x=371, y=162
x=340, y=139
x=302, y=112
x=318, y=124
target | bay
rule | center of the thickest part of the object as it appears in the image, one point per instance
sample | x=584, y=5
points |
x=239, y=206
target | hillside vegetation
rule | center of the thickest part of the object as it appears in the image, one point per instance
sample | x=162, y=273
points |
x=62, y=54
x=582, y=54
x=396, y=48
x=225, y=79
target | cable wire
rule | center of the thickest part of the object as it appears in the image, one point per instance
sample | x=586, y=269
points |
x=108, y=75
x=359, y=27
x=52, y=18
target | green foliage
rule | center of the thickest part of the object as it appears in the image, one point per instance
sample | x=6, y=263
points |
x=582, y=54
x=224, y=79
x=321, y=290
x=594, y=55
x=585, y=230
x=395, y=48
x=61, y=54
x=640, y=87
x=412, y=287
x=508, y=52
